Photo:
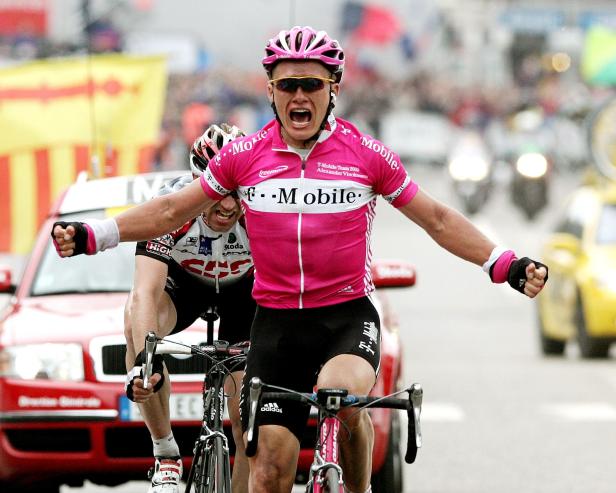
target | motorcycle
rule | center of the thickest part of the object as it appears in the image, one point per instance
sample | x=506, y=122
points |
x=531, y=142
x=529, y=184
x=469, y=169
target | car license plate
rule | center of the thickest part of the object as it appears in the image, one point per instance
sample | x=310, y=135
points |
x=182, y=407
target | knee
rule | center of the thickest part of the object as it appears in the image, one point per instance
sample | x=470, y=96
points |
x=267, y=473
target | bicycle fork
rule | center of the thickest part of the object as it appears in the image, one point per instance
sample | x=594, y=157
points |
x=327, y=456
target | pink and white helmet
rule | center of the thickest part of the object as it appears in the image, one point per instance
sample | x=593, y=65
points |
x=206, y=146
x=304, y=43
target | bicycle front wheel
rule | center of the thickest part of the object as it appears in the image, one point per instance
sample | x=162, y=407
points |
x=218, y=468
x=332, y=481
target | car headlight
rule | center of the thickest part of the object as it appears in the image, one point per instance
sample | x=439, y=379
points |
x=468, y=168
x=532, y=165
x=49, y=361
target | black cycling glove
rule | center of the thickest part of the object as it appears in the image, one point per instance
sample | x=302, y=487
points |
x=517, y=272
x=81, y=236
x=137, y=372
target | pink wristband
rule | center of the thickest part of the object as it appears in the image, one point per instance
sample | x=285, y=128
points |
x=500, y=270
x=91, y=243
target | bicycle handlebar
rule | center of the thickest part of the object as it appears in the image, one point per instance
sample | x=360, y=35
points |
x=155, y=345
x=150, y=350
x=412, y=405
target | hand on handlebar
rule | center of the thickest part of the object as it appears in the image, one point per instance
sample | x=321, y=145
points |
x=141, y=395
x=135, y=388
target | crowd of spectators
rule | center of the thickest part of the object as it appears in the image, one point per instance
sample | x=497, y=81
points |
x=195, y=100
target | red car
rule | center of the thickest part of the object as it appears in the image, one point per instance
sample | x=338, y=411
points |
x=64, y=417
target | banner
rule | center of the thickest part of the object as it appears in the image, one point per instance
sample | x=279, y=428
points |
x=58, y=117
x=370, y=24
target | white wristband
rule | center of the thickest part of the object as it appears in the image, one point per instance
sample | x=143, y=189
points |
x=106, y=233
x=496, y=253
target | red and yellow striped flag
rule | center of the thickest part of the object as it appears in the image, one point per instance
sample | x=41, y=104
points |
x=56, y=115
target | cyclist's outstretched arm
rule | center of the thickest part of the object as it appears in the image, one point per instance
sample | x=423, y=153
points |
x=149, y=220
x=448, y=228
x=458, y=235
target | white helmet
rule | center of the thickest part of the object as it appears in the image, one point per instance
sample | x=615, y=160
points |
x=209, y=144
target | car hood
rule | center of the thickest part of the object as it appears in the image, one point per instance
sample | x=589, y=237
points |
x=75, y=318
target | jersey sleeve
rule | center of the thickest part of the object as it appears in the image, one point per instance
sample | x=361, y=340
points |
x=392, y=179
x=158, y=248
x=217, y=180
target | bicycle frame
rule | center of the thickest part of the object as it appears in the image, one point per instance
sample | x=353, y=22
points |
x=326, y=455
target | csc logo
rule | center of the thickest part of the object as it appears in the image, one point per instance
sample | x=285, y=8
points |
x=208, y=269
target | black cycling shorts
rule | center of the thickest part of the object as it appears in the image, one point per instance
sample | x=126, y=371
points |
x=288, y=347
x=234, y=304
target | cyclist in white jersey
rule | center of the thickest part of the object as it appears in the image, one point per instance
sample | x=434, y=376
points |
x=308, y=183
x=204, y=264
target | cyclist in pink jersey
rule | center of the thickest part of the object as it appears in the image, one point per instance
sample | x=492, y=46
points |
x=308, y=183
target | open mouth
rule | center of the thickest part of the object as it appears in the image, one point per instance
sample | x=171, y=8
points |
x=300, y=117
x=224, y=215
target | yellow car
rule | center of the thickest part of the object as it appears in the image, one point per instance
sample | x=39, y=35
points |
x=579, y=300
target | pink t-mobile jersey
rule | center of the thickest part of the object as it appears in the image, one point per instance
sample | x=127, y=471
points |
x=309, y=218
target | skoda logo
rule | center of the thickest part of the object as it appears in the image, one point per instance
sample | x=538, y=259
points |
x=232, y=238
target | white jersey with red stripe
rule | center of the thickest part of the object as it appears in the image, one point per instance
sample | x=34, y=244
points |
x=310, y=218
x=211, y=257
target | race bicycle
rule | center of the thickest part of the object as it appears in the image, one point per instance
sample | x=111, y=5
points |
x=325, y=473
x=210, y=471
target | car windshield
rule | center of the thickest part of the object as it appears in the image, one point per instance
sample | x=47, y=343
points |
x=108, y=271
x=606, y=232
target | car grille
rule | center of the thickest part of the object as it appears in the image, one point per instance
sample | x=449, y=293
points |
x=113, y=357
x=120, y=441
x=108, y=354
x=129, y=442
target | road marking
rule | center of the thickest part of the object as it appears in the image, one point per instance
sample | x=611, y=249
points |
x=441, y=412
x=582, y=411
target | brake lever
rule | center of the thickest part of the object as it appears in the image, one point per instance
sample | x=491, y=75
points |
x=416, y=399
x=252, y=431
x=150, y=351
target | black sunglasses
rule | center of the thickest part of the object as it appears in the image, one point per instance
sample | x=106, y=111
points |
x=308, y=83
